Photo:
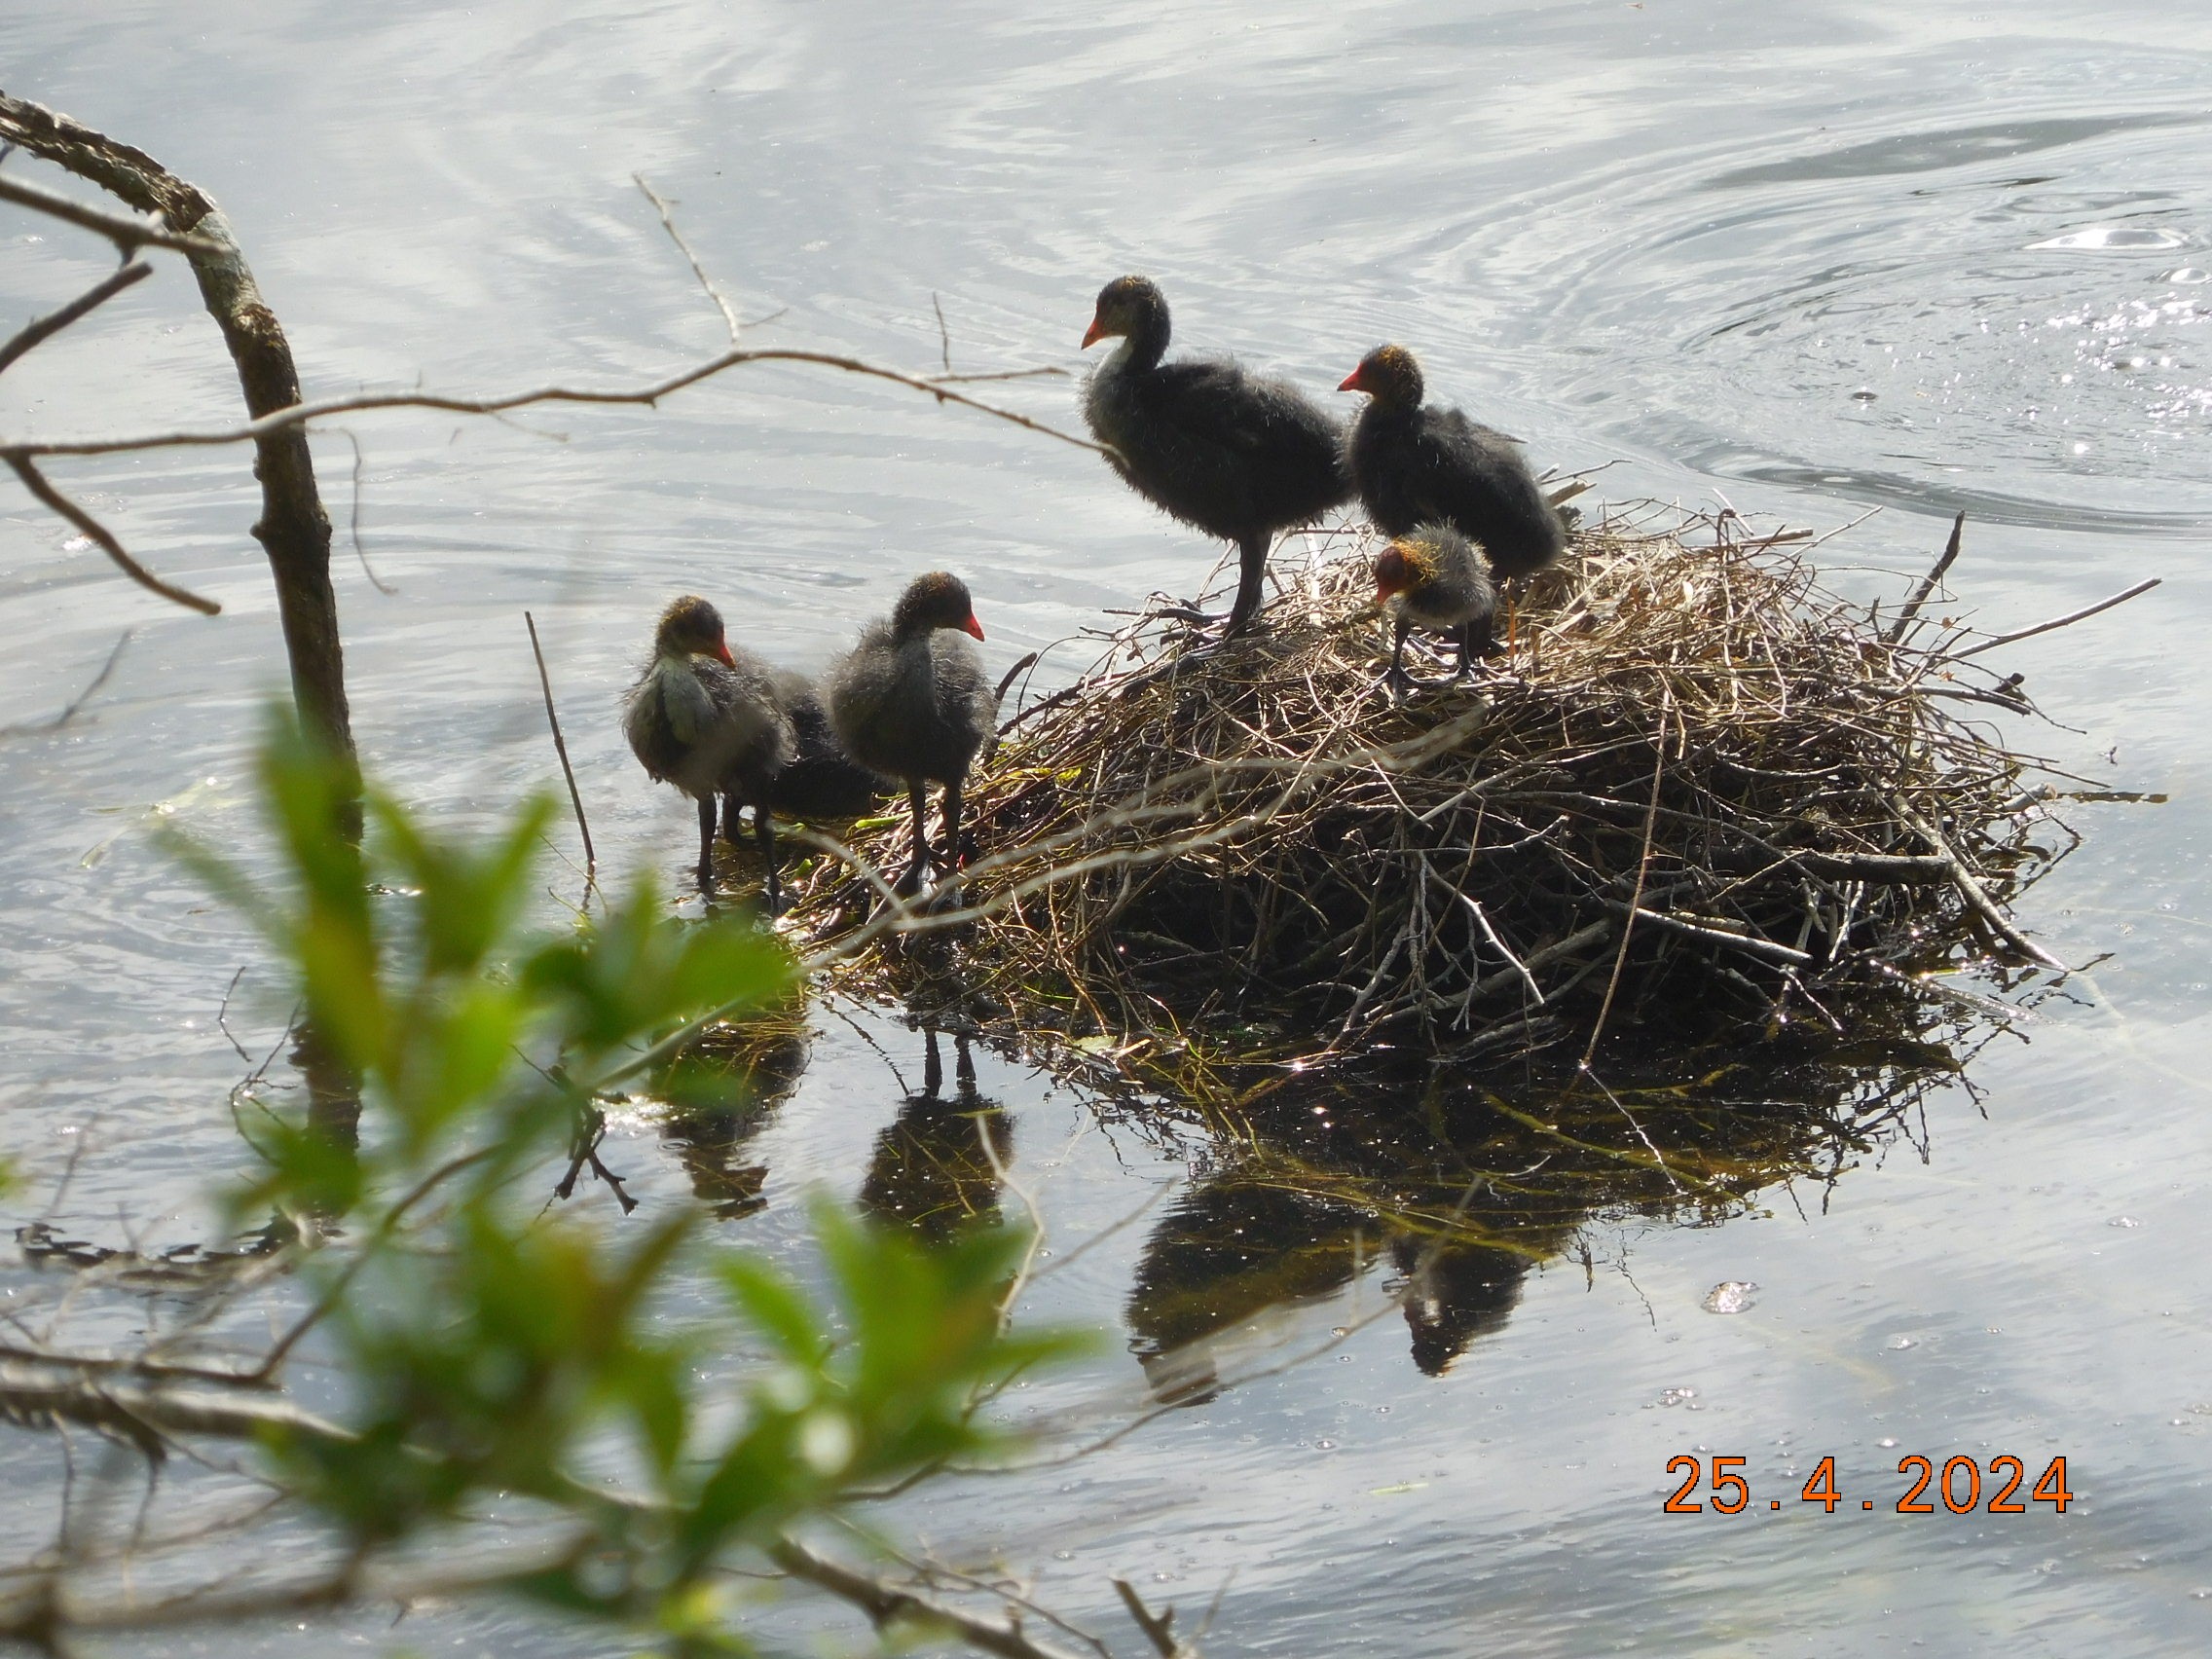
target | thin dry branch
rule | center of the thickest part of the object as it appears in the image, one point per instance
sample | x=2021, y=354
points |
x=561, y=747
x=41, y=329
x=300, y=415
x=293, y=530
x=676, y=236
x=55, y=503
x=2065, y=621
x=1928, y=583
x=127, y=235
x=888, y=1604
x=1159, y=1628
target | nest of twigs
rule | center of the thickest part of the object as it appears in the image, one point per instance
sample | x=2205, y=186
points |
x=1699, y=791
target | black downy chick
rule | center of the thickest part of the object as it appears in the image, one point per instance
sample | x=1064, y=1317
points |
x=709, y=720
x=1236, y=454
x=820, y=780
x=911, y=701
x=1415, y=464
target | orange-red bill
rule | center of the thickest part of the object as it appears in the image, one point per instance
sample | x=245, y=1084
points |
x=971, y=626
x=1093, y=334
x=1352, y=383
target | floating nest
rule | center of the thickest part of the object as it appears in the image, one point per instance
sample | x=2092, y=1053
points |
x=1700, y=794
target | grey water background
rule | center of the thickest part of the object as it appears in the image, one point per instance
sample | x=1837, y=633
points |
x=1805, y=261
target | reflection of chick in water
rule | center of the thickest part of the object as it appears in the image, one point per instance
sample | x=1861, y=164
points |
x=930, y=1168
x=713, y=1131
x=1226, y=1252
x=1454, y=1293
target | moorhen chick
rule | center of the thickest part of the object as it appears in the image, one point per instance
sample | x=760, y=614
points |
x=707, y=720
x=819, y=780
x=912, y=702
x=1236, y=454
x=1414, y=463
x=1433, y=575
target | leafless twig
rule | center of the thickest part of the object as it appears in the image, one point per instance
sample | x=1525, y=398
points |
x=2067, y=620
x=54, y=501
x=886, y=1605
x=1159, y=1628
x=302, y=414
x=561, y=747
x=127, y=235
x=668, y=223
x=45, y=328
x=354, y=523
x=1928, y=582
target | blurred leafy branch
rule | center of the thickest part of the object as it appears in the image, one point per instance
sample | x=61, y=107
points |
x=514, y=1371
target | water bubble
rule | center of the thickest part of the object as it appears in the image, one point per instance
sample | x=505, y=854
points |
x=1864, y=394
x=1898, y=1343
x=1729, y=1296
x=1888, y=1443
x=2123, y=1221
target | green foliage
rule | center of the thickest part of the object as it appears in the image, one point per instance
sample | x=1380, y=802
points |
x=493, y=1348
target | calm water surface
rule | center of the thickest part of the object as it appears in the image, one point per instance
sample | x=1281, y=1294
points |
x=1807, y=262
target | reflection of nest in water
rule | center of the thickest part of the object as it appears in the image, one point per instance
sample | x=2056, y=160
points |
x=1694, y=749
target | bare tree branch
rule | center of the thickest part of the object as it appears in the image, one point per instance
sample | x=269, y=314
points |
x=886, y=1604
x=293, y=529
x=2065, y=621
x=300, y=415
x=54, y=501
x=1928, y=582
x=668, y=223
x=127, y=235
x=1159, y=1628
x=143, y=1414
x=41, y=329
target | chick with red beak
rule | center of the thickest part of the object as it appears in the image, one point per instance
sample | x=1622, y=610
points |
x=1433, y=576
x=912, y=702
x=1239, y=455
x=1415, y=464
x=709, y=720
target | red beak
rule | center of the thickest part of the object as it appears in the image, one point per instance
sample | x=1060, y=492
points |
x=971, y=626
x=721, y=650
x=1093, y=334
x=1352, y=383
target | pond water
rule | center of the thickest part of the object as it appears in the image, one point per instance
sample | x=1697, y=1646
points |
x=1806, y=262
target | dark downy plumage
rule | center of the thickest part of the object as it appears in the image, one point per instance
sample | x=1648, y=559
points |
x=1415, y=464
x=912, y=701
x=1236, y=454
x=820, y=780
x=707, y=720
x=1433, y=576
